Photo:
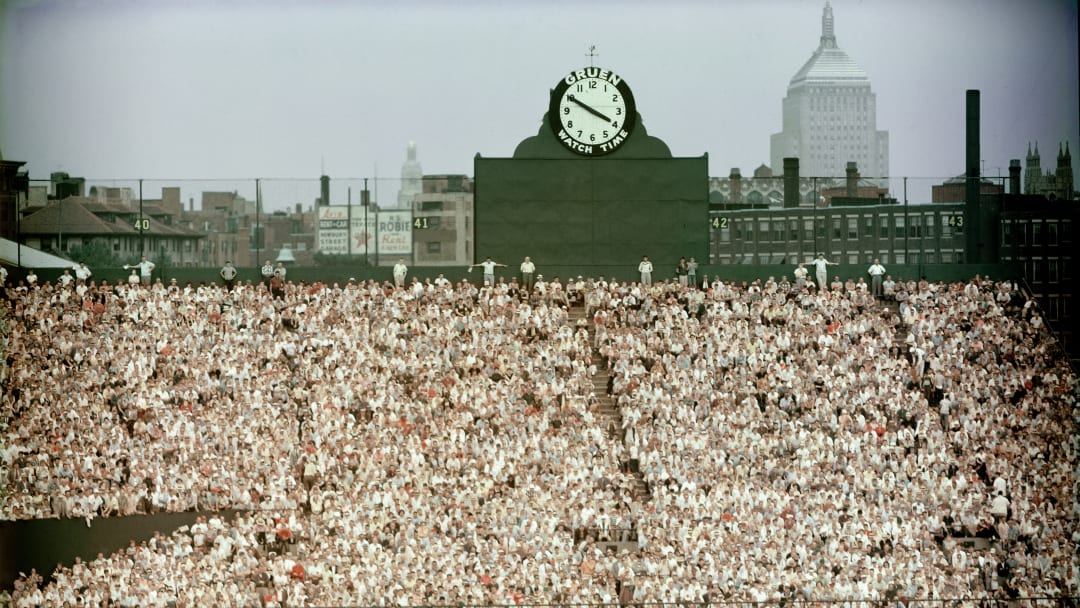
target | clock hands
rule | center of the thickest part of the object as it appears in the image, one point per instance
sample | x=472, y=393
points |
x=588, y=108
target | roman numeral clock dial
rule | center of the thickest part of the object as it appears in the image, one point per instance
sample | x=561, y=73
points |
x=592, y=111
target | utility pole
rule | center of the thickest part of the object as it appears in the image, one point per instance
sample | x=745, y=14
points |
x=816, y=250
x=258, y=213
x=905, y=223
x=365, y=201
x=142, y=247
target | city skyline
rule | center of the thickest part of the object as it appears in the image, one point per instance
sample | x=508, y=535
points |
x=122, y=89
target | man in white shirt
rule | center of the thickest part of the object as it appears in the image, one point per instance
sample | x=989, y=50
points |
x=527, y=272
x=82, y=273
x=228, y=274
x=489, y=269
x=800, y=276
x=400, y=271
x=267, y=272
x=877, y=273
x=645, y=268
x=820, y=271
x=146, y=270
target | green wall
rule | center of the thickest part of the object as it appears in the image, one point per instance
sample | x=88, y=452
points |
x=591, y=211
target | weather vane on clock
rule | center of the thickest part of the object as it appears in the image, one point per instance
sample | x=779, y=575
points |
x=591, y=54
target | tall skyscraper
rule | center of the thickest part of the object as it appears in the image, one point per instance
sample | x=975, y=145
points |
x=412, y=178
x=830, y=116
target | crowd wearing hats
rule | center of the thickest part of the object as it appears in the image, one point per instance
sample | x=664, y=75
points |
x=439, y=443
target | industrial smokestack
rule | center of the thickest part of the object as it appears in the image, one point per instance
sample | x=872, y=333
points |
x=971, y=191
x=791, y=183
x=324, y=190
x=1014, y=176
x=852, y=179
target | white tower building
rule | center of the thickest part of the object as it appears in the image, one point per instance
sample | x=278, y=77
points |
x=412, y=178
x=830, y=117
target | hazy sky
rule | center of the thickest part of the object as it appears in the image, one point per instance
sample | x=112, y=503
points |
x=200, y=89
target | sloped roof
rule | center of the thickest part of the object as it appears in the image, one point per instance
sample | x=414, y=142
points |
x=96, y=206
x=69, y=217
x=31, y=258
x=829, y=64
x=75, y=217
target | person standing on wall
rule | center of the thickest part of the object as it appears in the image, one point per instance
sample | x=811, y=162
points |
x=682, y=271
x=146, y=270
x=82, y=272
x=267, y=272
x=400, y=271
x=691, y=271
x=228, y=274
x=877, y=273
x=645, y=268
x=800, y=276
x=489, y=266
x=821, y=272
x=528, y=271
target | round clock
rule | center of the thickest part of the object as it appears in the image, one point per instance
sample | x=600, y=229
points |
x=592, y=111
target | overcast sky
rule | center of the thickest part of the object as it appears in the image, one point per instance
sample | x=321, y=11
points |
x=200, y=89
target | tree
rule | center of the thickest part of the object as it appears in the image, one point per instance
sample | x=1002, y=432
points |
x=163, y=259
x=97, y=254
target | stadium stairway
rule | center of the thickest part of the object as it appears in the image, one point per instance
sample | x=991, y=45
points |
x=604, y=402
x=891, y=309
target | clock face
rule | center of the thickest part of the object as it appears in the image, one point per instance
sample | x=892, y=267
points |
x=592, y=111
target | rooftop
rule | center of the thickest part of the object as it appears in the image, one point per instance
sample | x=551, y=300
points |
x=829, y=64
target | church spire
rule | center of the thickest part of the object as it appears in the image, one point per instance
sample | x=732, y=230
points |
x=828, y=38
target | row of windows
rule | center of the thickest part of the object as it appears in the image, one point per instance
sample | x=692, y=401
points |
x=849, y=227
x=834, y=128
x=1044, y=271
x=838, y=104
x=886, y=257
x=131, y=244
x=1038, y=232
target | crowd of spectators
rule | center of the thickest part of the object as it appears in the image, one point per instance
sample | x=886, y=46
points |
x=440, y=444
x=816, y=444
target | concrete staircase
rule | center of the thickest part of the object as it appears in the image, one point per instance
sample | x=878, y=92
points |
x=890, y=308
x=606, y=408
